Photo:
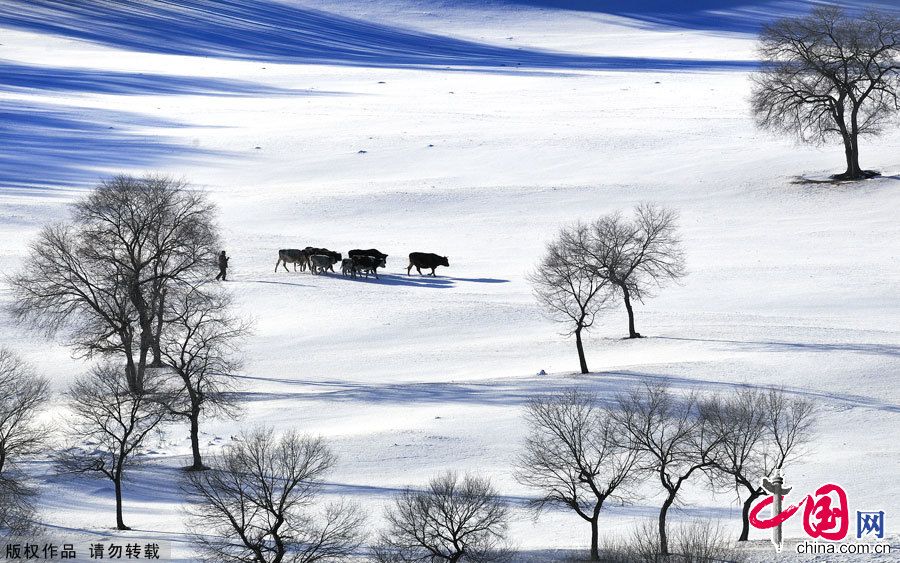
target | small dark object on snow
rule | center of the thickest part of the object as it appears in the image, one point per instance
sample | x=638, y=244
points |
x=223, y=266
x=361, y=152
x=542, y=372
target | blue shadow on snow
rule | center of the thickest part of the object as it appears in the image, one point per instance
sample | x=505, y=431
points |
x=728, y=16
x=48, y=146
x=17, y=77
x=266, y=30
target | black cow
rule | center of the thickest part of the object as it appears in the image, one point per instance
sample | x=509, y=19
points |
x=366, y=264
x=426, y=260
x=370, y=252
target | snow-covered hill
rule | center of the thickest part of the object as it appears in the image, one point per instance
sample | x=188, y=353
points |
x=474, y=130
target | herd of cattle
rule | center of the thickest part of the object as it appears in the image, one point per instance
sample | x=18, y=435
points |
x=360, y=262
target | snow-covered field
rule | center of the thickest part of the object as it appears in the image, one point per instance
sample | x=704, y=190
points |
x=470, y=129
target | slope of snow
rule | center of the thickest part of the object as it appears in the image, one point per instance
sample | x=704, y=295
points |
x=790, y=284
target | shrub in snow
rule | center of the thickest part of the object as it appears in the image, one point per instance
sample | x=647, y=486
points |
x=453, y=519
x=254, y=504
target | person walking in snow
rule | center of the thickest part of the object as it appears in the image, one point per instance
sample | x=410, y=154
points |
x=223, y=266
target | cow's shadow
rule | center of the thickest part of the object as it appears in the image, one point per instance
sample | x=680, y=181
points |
x=402, y=280
x=479, y=280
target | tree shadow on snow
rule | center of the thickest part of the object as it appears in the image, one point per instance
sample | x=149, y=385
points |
x=16, y=77
x=889, y=350
x=48, y=146
x=265, y=30
x=730, y=16
x=606, y=385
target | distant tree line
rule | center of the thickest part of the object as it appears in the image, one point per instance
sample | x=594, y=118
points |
x=580, y=452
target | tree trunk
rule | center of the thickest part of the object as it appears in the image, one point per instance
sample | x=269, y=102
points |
x=120, y=523
x=745, y=515
x=851, y=153
x=580, y=346
x=663, y=538
x=157, y=352
x=595, y=551
x=145, y=338
x=131, y=375
x=626, y=296
x=850, y=135
x=195, y=441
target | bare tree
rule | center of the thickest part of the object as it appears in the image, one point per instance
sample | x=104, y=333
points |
x=199, y=346
x=22, y=395
x=827, y=75
x=575, y=454
x=569, y=291
x=454, y=519
x=759, y=431
x=252, y=505
x=101, y=279
x=635, y=256
x=673, y=437
x=110, y=426
x=16, y=509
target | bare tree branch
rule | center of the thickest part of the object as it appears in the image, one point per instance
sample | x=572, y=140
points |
x=673, y=436
x=759, y=431
x=199, y=348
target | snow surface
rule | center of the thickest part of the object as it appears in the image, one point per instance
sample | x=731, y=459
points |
x=485, y=126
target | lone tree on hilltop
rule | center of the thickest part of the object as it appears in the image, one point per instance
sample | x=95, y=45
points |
x=635, y=256
x=829, y=74
x=570, y=291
